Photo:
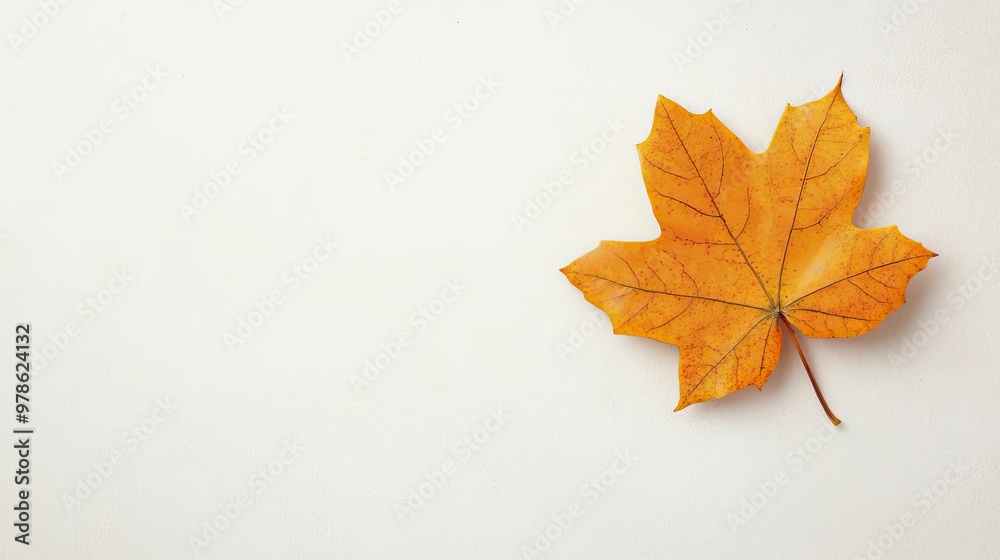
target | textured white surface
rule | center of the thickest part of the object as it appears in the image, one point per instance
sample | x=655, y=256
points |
x=930, y=68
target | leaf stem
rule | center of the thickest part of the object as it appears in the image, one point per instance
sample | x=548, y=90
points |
x=812, y=379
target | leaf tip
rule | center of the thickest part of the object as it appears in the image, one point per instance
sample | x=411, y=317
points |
x=683, y=401
x=836, y=88
x=662, y=103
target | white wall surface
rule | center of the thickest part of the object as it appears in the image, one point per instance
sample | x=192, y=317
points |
x=147, y=376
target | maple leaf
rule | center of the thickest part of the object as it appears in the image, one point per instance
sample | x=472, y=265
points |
x=750, y=241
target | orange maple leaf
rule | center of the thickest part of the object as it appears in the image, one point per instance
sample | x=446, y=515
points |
x=748, y=241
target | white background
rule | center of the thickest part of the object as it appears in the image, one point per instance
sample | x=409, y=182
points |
x=915, y=394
